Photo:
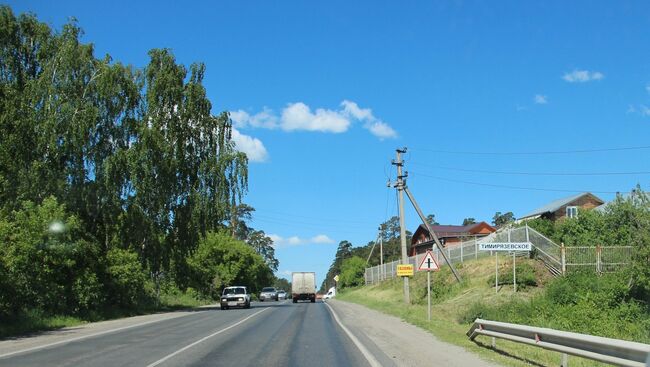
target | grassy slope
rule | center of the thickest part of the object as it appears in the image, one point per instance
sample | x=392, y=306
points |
x=450, y=303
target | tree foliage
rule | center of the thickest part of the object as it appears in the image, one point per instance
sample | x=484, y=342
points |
x=352, y=271
x=500, y=219
x=468, y=221
x=131, y=162
x=221, y=260
x=390, y=238
x=623, y=222
x=431, y=219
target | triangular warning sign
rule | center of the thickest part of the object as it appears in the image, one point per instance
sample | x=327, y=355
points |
x=428, y=263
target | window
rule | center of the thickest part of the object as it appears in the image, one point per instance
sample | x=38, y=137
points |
x=571, y=211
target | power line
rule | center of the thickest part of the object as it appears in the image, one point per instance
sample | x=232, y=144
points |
x=521, y=173
x=510, y=187
x=320, y=224
x=346, y=221
x=548, y=152
x=313, y=226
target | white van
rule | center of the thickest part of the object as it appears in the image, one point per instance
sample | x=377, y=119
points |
x=330, y=294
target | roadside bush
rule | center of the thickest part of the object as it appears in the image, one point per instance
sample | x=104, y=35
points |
x=443, y=286
x=352, y=272
x=127, y=280
x=221, y=261
x=47, y=263
x=607, y=290
x=580, y=302
x=623, y=222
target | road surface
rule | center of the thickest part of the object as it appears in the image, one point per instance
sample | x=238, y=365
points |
x=268, y=334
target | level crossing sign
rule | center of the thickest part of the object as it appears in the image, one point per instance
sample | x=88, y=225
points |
x=428, y=263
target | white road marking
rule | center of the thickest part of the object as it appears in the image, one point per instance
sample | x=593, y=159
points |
x=89, y=336
x=156, y=363
x=369, y=357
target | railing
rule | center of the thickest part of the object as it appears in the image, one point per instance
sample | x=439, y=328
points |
x=558, y=259
x=600, y=259
x=613, y=351
x=456, y=254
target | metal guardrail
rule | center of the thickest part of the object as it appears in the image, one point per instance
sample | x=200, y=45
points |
x=613, y=351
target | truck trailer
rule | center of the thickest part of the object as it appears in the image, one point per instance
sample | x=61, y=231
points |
x=303, y=286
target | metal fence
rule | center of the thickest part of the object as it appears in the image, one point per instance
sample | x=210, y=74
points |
x=600, y=259
x=558, y=259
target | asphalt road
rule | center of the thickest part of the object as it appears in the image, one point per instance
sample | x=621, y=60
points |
x=267, y=334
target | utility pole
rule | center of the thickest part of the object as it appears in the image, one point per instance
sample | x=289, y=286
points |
x=400, y=185
x=432, y=233
x=381, y=255
x=401, y=188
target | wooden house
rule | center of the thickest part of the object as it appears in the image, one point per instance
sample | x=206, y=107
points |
x=565, y=207
x=448, y=235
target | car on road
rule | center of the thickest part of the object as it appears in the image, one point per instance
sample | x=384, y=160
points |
x=282, y=295
x=330, y=294
x=268, y=293
x=235, y=296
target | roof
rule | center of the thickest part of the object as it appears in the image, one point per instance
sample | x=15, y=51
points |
x=448, y=230
x=557, y=204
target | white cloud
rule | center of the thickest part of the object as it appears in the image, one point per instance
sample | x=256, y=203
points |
x=540, y=99
x=642, y=110
x=279, y=241
x=264, y=119
x=321, y=238
x=631, y=109
x=645, y=110
x=300, y=117
x=239, y=118
x=253, y=147
x=381, y=130
x=582, y=76
x=352, y=109
x=376, y=127
x=647, y=88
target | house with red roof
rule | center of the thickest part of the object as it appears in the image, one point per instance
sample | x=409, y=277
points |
x=448, y=235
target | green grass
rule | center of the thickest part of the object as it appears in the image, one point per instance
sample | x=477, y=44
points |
x=30, y=322
x=453, y=307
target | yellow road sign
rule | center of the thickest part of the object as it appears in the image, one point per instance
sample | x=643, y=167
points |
x=404, y=270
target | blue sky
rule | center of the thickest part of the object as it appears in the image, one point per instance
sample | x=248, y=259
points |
x=322, y=94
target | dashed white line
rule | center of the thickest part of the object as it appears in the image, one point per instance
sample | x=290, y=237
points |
x=158, y=362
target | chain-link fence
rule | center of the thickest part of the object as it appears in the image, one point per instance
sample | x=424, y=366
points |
x=599, y=259
x=558, y=259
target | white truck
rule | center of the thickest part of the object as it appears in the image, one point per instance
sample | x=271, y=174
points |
x=303, y=286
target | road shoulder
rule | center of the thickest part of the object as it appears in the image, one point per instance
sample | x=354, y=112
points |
x=47, y=339
x=406, y=344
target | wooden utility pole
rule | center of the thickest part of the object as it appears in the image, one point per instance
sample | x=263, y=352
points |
x=381, y=255
x=432, y=233
x=400, y=185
